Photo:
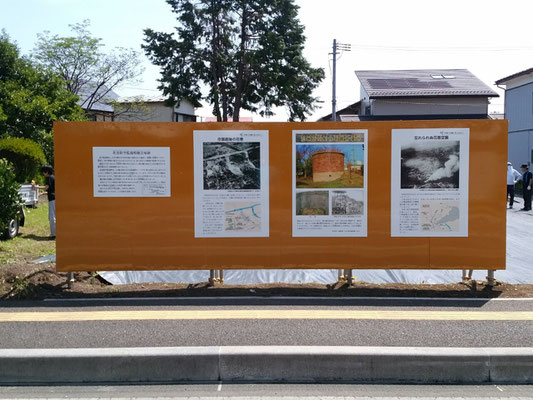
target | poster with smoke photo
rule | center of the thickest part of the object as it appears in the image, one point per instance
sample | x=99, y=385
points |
x=429, y=186
x=329, y=170
x=231, y=184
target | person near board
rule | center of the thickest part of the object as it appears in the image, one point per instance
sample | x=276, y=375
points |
x=512, y=177
x=527, y=179
x=50, y=187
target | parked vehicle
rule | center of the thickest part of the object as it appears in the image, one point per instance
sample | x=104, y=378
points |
x=30, y=198
x=13, y=226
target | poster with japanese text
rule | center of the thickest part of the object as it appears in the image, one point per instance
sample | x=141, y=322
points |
x=131, y=171
x=429, y=187
x=329, y=194
x=231, y=194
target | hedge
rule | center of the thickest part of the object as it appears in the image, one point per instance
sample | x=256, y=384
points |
x=26, y=156
x=9, y=196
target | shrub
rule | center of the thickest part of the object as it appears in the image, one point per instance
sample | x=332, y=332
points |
x=10, y=200
x=26, y=156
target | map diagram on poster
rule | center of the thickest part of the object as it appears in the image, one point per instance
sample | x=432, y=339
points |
x=329, y=172
x=429, y=182
x=231, y=184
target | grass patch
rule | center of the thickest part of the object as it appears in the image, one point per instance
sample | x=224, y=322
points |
x=32, y=241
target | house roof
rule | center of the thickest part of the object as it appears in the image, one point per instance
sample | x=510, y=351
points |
x=517, y=75
x=423, y=82
x=352, y=109
x=151, y=99
x=103, y=104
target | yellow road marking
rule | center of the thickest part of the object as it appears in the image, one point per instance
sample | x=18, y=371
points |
x=77, y=316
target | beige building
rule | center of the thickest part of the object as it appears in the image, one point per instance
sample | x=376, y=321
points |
x=153, y=109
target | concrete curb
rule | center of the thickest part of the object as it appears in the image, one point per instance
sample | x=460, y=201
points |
x=268, y=364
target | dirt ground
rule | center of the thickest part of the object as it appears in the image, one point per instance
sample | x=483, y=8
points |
x=25, y=281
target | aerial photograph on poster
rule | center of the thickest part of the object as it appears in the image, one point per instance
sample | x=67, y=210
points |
x=231, y=166
x=242, y=216
x=430, y=164
x=312, y=202
x=330, y=166
x=344, y=202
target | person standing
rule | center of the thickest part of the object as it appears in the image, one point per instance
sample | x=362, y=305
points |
x=527, y=179
x=512, y=177
x=50, y=187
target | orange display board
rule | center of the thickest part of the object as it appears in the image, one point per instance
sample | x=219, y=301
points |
x=155, y=233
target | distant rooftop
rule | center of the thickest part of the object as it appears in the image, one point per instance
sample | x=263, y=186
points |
x=423, y=82
x=103, y=104
x=150, y=99
x=514, y=76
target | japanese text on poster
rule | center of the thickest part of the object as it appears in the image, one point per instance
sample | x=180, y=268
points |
x=329, y=196
x=131, y=171
x=231, y=184
x=429, y=187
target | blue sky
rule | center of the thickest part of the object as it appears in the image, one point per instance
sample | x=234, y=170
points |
x=482, y=36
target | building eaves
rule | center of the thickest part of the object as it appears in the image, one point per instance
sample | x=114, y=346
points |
x=514, y=76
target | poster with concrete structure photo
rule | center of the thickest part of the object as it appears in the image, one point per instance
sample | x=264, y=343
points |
x=429, y=182
x=329, y=183
x=231, y=184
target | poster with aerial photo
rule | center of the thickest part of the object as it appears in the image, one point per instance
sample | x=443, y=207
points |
x=231, y=184
x=329, y=183
x=429, y=185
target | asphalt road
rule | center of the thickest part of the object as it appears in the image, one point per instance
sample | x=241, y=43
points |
x=272, y=391
x=454, y=329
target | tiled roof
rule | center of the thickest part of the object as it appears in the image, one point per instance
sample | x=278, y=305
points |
x=423, y=82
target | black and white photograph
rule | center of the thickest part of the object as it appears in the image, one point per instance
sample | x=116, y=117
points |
x=430, y=164
x=347, y=202
x=231, y=166
x=313, y=202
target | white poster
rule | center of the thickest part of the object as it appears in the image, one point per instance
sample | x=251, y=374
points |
x=231, y=184
x=429, y=188
x=131, y=171
x=329, y=183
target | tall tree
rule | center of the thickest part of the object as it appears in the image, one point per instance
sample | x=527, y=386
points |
x=247, y=53
x=82, y=65
x=31, y=99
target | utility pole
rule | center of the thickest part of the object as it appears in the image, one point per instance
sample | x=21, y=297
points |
x=343, y=48
x=334, y=83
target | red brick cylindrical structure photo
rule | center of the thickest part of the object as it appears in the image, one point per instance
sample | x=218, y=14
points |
x=328, y=165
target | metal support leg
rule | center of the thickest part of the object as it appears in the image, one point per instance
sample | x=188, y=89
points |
x=340, y=277
x=70, y=279
x=221, y=275
x=349, y=276
x=211, y=277
x=467, y=276
x=490, y=278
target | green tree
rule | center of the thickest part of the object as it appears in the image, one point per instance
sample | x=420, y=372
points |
x=82, y=65
x=26, y=156
x=31, y=99
x=247, y=53
x=10, y=200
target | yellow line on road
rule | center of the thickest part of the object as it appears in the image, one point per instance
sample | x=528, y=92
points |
x=78, y=316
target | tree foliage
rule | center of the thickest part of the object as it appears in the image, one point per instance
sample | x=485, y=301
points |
x=248, y=53
x=82, y=65
x=26, y=156
x=10, y=200
x=30, y=98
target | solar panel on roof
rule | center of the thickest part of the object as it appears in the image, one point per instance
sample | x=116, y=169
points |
x=406, y=83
